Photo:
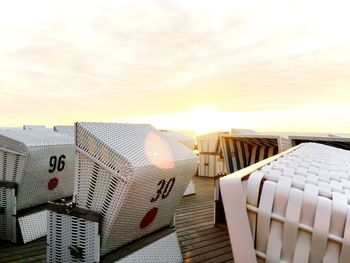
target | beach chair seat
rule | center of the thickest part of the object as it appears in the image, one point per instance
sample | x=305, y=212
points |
x=292, y=207
x=132, y=177
x=35, y=167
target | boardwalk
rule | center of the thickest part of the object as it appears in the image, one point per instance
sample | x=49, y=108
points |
x=199, y=239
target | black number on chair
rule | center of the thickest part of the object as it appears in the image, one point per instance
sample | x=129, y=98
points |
x=164, y=192
x=168, y=188
x=61, y=163
x=54, y=164
x=160, y=190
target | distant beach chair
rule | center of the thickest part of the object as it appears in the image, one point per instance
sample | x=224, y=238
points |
x=242, y=131
x=211, y=161
x=66, y=129
x=10, y=128
x=189, y=142
x=35, y=167
x=129, y=180
x=292, y=207
x=337, y=141
x=35, y=127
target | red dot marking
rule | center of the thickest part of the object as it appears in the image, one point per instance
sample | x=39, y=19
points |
x=149, y=217
x=52, y=184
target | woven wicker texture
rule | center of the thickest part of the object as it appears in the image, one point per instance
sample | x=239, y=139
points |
x=133, y=175
x=33, y=159
x=33, y=226
x=298, y=208
x=66, y=129
x=7, y=220
x=166, y=249
x=187, y=141
x=68, y=232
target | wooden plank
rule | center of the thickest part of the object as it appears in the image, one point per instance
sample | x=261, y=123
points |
x=199, y=238
x=203, y=250
x=210, y=255
x=204, y=243
x=194, y=219
x=201, y=233
x=202, y=238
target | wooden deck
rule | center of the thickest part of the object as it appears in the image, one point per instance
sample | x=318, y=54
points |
x=199, y=239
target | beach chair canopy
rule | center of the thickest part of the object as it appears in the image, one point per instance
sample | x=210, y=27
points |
x=66, y=129
x=10, y=128
x=242, y=131
x=41, y=163
x=241, y=151
x=293, y=207
x=35, y=127
x=132, y=175
x=339, y=142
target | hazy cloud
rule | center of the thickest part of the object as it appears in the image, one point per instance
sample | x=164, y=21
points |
x=87, y=59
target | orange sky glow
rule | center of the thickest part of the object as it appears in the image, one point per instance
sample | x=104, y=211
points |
x=186, y=65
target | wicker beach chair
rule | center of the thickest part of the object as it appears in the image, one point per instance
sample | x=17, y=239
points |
x=35, y=167
x=242, y=131
x=292, y=207
x=35, y=127
x=242, y=150
x=129, y=180
x=341, y=142
x=211, y=161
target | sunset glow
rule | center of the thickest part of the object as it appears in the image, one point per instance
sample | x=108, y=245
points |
x=177, y=64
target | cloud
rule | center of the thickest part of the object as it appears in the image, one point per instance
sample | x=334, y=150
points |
x=116, y=58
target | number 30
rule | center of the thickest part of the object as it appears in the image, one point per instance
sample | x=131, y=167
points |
x=163, y=193
x=54, y=164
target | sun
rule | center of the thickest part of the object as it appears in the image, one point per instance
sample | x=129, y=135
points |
x=202, y=117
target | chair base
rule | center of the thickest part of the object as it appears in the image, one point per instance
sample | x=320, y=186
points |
x=73, y=235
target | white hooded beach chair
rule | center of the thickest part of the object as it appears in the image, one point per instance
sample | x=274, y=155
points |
x=35, y=127
x=189, y=142
x=211, y=161
x=35, y=167
x=292, y=207
x=129, y=180
x=66, y=129
x=242, y=150
x=242, y=131
x=339, y=142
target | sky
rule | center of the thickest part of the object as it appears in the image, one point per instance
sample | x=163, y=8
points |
x=202, y=65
